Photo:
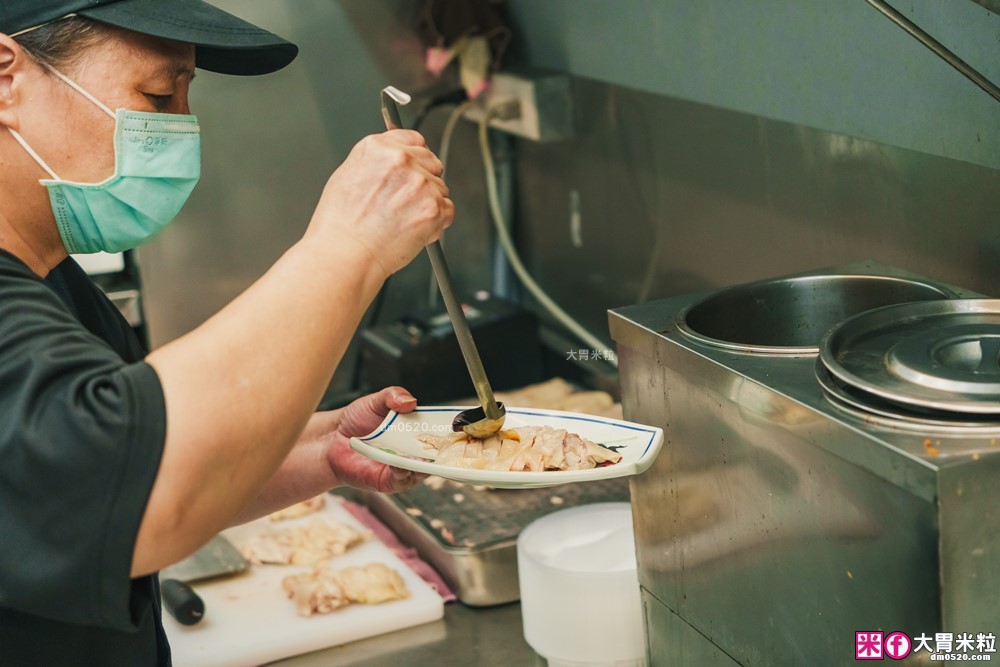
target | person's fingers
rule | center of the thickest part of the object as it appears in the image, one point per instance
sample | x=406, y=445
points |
x=366, y=413
x=400, y=399
x=408, y=137
x=436, y=209
x=399, y=479
x=415, y=168
x=389, y=195
x=449, y=212
x=429, y=161
x=426, y=159
x=361, y=472
x=436, y=181
x=372, y=405
x=416, y=181
x=399, y=151
x=415, y=147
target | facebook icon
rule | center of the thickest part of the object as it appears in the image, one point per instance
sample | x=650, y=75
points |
x=898, y=645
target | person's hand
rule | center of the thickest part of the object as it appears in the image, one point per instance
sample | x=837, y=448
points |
x=361, y=418
x=388, y=197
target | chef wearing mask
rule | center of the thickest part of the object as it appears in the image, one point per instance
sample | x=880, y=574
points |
x=115, y=463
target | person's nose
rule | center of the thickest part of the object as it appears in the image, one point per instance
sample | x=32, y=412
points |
x=183, y=105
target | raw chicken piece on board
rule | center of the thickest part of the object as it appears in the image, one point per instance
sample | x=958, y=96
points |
x=323, y=591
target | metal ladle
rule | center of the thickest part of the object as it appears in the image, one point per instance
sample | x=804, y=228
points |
x=486, y=420
x=937, y=47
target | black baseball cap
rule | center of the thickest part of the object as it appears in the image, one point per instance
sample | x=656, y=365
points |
x=223, y=42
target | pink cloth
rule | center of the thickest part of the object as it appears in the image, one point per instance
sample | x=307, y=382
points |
x=406, y=554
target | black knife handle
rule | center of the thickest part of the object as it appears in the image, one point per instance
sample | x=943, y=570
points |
x=182, y=602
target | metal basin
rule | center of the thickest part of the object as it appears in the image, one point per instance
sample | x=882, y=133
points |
x=789, y=316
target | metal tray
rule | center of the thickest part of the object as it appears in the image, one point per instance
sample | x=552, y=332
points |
x=469, y=534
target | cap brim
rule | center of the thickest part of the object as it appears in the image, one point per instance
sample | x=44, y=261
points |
x=223, y=42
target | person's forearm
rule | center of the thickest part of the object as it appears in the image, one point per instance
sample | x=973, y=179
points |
x=323, y=459
x=240, y=389
x=305, y=472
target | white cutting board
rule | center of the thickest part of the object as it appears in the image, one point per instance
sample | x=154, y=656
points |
x=250, y=621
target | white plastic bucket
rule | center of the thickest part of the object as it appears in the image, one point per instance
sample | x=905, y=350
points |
x=580, y=599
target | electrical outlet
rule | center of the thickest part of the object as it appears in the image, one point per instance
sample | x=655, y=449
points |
x=530, y=104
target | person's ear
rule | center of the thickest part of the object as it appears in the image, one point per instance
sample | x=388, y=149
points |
x=12, y=70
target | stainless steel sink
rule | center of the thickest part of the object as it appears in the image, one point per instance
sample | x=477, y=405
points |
x=789, y=316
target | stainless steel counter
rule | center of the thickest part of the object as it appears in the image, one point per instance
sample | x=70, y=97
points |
x=776, y=523
x=465, y=636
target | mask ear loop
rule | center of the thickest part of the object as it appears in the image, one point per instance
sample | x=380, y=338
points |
x=41, y=25
x=78, y=88
x=65, y=79
x=35, y=156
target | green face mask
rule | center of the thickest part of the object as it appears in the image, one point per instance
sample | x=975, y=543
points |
x=157, y=165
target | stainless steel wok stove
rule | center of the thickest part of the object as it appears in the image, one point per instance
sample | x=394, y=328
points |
x=831, y=465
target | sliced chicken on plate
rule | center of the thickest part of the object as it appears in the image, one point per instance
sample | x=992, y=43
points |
x=528, y=448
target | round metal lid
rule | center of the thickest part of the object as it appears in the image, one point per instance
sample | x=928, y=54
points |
x=875, y=410
x=932, y=355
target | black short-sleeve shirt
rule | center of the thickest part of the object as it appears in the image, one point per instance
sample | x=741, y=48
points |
x=82, y=427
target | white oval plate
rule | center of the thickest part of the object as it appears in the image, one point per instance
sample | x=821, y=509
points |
x=395, y=443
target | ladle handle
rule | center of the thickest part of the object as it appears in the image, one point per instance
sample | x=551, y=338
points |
x=465, y=341
x=390, y=114
x=937, y=47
